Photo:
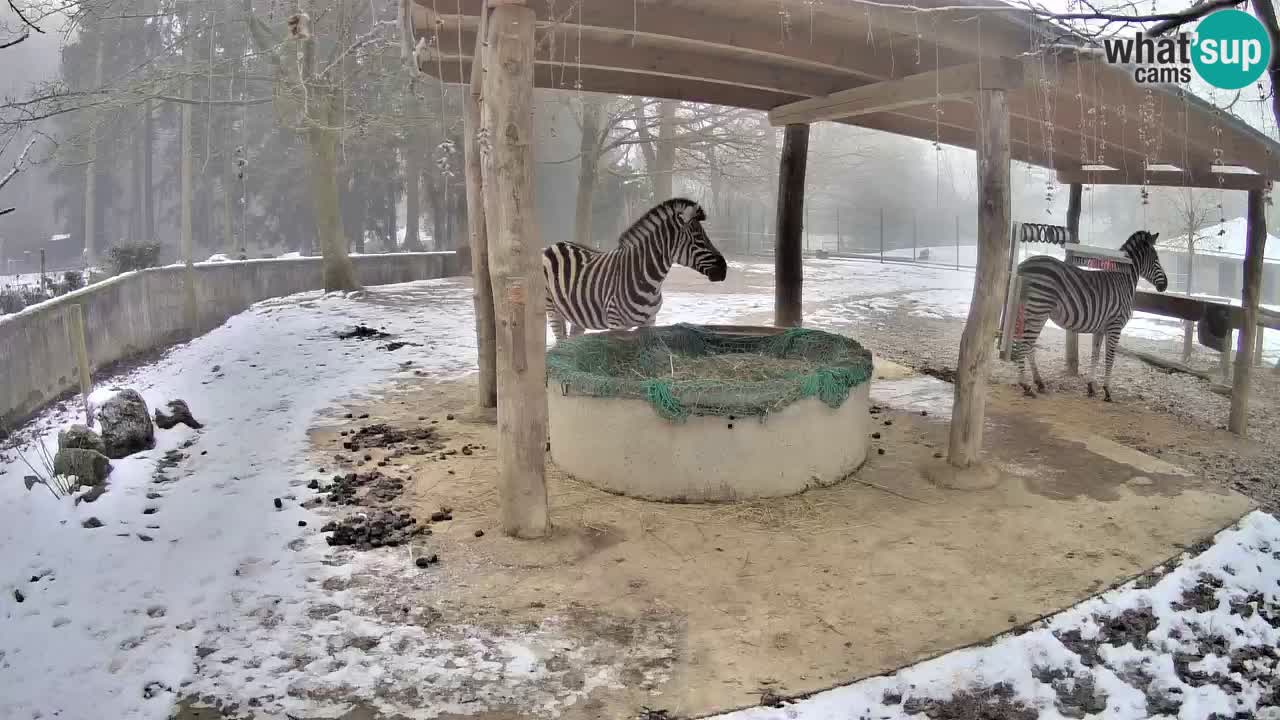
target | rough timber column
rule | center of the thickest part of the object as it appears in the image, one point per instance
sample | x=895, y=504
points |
x=788, y=262
x=481, y=285
x=989, y=281
x=1073, y=238
x=1256, y=234
x=515, y=268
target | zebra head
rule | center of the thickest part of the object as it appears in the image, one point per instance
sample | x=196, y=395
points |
x=1141, y=249
x=692, y=246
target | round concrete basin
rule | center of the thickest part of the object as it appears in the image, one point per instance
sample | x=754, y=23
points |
x=622, y=445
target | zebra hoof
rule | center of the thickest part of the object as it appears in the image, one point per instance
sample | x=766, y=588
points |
x=1106, y=395
x=1027, y=391
x=1040, y=386
x=1090, y=390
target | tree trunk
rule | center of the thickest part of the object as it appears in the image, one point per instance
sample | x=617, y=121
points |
x=666, y=156
x=188, y=275
x=1254, y=248
x=588, y=157
x=413, y=192
x=482, y=284
x=516, y=270
x=322, y=177
x=788, y=307
x=148, y=203
x=228, y=192
x=91, y=248
x=969, y=406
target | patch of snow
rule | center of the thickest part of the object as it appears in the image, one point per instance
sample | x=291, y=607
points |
x=1241, y=558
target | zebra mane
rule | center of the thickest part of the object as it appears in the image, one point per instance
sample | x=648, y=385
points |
x=642, y=229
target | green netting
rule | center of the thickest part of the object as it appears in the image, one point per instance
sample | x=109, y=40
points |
x=685, y=370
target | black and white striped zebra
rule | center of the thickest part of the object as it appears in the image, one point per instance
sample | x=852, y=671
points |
x=622, y=288
x=1083, y=301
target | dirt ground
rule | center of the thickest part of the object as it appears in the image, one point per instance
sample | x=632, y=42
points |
x=697, y=608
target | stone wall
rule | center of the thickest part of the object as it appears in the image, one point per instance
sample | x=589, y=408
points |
x=143, y=311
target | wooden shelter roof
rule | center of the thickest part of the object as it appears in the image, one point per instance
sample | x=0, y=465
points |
x=1069, y=110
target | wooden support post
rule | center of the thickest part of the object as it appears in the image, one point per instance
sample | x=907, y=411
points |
x=1073, y=238
x=882, y=235
x=1257, y=346
x=1188, y=340
x=1224, y=357
x=1256, y=234
x=189, y=306
x=481, y=284
x=989, y=282
x=788, y=261
x=80, y=350
x=515, y=268
x=957, y=242
x=915, y=236
x=839, y=241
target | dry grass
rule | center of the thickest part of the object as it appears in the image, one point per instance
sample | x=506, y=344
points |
x=737, y=367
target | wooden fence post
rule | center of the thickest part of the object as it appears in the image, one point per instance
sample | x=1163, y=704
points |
x=516, y=270
x=1255, y=245
x=969, y=407
x=481, y=284
x=1073, y=238
x=788, y=310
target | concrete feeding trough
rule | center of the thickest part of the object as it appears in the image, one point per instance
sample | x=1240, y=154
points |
x=709, y=413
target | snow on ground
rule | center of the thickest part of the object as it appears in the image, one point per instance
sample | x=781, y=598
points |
x=196, y=584
x=118, y=611
x=1200, y=643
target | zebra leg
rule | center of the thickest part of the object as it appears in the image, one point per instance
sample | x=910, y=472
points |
x=1035, y=370
x=576, y=330
x=557, y=322
x=1093, y=363
x=1025, y=347
x=1113, y=341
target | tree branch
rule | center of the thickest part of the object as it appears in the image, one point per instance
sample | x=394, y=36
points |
x=17, y=166
x=14, y=7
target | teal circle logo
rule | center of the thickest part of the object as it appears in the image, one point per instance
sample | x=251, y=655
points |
x=1231, y=49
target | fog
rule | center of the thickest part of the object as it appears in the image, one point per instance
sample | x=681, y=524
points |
x=101, y=92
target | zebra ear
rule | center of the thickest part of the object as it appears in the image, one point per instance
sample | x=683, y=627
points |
x=1154, y=236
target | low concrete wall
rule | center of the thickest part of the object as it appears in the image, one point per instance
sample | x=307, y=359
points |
x=623, y=446
x=142, y=311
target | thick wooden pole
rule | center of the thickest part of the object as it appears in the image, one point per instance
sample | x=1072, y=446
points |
x=515, y=268
x=1255, y=245
x=478, y=242
x=989, y=281
x=788, y=261
x=1073, y=238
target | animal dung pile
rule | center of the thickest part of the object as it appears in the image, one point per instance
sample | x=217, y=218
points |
x=374, y=529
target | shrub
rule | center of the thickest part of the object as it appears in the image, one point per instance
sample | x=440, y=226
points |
x=134, y=256
x=11, y=300
x=71, y=281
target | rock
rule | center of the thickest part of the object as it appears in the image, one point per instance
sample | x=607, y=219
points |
x=91, y=523
x=126, y=425
x=90, y=467
x=178, y=413
x=17, y=595
x=82, y=438
x=479, y=533
x=422, y=562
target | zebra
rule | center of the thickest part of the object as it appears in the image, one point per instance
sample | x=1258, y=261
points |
x=622, y=288
x=1083, y=301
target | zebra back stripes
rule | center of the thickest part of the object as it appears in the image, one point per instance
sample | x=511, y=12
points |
x=622, y=288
